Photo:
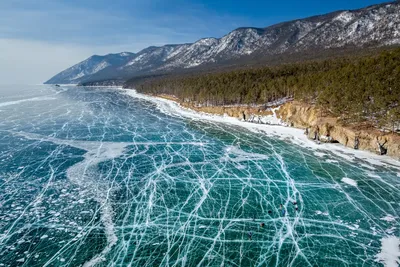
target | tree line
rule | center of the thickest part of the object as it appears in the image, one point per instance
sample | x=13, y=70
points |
x=364, y=88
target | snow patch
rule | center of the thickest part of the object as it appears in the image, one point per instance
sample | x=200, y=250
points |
x=319, y=154
x=349, y=181
x=367, y=166
x=372, y=175
x=390, y=252
x=344, y=17
x=273, y=119
x=77, y=76
x=389, y=218
x=331, y=161
x=137, y=59
x=101, y=66
x=16, y=102
x=353, y=227
x=237, y=155
x=318, y=212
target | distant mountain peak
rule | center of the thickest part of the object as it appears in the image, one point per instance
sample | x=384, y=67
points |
x=125, y=54
x=90, y=66
x=373, y=26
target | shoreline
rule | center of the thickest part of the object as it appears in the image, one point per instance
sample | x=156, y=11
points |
x=316, y=124
x=174, y=108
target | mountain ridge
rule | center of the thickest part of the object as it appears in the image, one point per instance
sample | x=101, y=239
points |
x=372, y=26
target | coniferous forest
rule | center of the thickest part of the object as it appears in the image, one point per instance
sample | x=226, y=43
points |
x=364, y=88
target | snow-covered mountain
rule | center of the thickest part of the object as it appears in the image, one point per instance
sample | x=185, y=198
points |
x=373, y=26
x=90, y=66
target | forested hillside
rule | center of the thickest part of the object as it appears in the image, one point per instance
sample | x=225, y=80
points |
x=356, y=89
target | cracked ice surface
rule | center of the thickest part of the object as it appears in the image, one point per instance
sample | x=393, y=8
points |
x=95, y=177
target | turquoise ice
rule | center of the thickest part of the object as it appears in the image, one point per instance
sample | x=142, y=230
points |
x=95, y=177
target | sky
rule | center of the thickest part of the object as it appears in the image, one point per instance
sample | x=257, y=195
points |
x=39, y=38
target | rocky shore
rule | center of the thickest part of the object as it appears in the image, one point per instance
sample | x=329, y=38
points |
x=329, y=129
x=317, y=125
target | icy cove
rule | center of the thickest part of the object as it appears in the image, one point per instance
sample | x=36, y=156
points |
x=99, y=177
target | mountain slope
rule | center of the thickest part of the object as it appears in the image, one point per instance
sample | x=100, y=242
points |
x=90, y=66
x=374, y=26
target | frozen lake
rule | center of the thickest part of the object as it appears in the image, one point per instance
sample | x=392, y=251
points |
x=99, y=177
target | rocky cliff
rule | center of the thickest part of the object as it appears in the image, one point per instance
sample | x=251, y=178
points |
x=320, y=126
x=317, y=125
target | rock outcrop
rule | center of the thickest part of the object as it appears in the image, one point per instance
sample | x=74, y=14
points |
x=318, y=125
x=329, y=129
x=242, y=112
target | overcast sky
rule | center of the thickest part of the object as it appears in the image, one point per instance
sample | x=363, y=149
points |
x=39, y=38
